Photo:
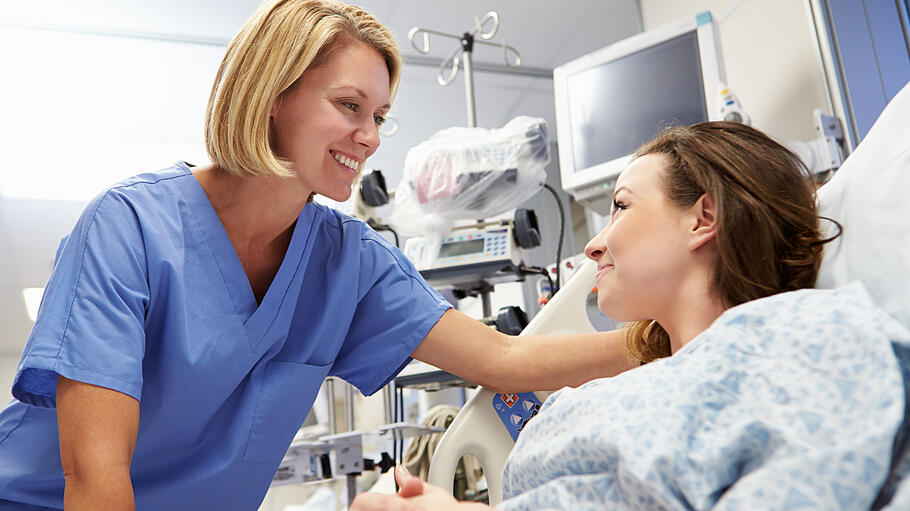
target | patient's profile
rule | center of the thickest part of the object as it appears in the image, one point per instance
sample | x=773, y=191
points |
x=706, y=217
x=755, y=391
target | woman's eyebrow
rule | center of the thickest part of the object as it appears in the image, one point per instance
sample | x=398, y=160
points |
x=621, y=188
x=359, y=92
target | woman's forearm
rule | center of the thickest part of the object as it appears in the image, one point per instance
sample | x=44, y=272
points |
x=504, y=363
x=100, y=489
x=97, y=428
x=550, y=362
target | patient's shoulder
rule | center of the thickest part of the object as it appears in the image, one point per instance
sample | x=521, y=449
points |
x=808, y=326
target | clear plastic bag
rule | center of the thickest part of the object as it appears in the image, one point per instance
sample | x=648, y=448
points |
x=470, y=173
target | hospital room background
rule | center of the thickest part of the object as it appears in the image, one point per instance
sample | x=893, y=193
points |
x=99, y=90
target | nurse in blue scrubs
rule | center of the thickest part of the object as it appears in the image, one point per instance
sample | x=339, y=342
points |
x=193, y=313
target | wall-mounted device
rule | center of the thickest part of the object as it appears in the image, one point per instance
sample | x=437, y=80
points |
x=730, y=109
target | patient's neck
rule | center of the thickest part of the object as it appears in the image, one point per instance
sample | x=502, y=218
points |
x=694, y=312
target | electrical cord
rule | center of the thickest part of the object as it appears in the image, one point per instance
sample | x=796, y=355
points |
x=383, y=227
x=537, y=270
x=397, y=244
x=562, y=234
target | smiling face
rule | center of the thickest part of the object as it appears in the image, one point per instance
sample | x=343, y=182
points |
x=327, y=123
x=642, y=254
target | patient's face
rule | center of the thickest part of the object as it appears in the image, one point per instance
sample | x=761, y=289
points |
x=642, y=253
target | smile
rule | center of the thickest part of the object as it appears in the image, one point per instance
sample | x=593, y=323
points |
x=603, y=269
x=350, y=163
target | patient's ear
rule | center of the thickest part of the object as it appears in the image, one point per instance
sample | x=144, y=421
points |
x=704, y=222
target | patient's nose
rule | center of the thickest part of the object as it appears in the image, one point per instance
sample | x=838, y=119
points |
x=595, y=248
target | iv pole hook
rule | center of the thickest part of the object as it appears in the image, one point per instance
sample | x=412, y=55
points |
x=462, y=54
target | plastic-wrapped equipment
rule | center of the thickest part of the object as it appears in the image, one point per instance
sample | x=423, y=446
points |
x=470, y=173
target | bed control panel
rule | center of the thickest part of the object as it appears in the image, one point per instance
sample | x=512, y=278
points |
x=515, y=410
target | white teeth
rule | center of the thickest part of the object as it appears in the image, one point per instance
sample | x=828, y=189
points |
x=344, y=160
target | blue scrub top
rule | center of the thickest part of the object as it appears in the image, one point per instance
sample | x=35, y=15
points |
x=149, y=298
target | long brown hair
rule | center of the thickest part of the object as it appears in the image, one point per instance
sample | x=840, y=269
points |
x=768, y=239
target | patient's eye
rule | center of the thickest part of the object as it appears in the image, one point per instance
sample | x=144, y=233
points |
x=618, y=206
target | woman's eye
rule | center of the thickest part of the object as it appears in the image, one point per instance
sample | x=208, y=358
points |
x=379, y=120
x=618, y=206
x=350, y=106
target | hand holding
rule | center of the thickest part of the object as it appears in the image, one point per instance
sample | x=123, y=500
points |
x=409, y=486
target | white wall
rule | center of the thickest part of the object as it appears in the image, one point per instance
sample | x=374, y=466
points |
x=770, y=57
x=8, y=365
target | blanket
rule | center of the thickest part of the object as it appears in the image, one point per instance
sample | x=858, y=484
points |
x=788, y=402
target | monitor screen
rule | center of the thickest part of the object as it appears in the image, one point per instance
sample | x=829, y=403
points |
x=618, y=105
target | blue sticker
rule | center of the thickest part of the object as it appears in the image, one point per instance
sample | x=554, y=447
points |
x=702, y=18
x=515, y=410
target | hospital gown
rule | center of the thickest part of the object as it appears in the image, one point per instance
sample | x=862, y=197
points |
x=788, y=402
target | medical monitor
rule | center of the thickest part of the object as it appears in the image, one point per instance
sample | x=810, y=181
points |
x=611, y=101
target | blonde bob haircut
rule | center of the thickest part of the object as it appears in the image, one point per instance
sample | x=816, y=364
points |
x=269, y=54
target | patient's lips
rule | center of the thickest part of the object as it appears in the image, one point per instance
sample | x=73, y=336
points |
x=603, y=268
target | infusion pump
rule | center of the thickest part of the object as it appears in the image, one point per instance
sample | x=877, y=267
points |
x=481, y=252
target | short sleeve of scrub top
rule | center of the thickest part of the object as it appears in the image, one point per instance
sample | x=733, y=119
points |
x=395, y=310
x=97, y=294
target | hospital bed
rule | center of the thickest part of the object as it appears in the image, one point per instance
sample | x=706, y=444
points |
x=868, y=196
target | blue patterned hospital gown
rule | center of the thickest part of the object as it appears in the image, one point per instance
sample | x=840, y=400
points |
x=789, y=402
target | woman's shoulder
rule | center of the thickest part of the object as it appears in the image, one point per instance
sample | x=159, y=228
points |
x=159, y=182
x=147, y=189
x=334, y=219
x=344, y=226
x=809, y=324
x=146, y=199
x=340, y=233
x=805, y=308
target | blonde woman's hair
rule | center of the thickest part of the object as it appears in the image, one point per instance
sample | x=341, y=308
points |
x=768, y=238
x=274, y=48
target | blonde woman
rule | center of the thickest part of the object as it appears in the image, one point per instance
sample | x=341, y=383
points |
x=194, y=312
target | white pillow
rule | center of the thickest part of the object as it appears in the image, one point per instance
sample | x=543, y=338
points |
x=870, y=197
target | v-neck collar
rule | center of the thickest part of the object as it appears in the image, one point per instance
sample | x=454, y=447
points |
x=256, y=318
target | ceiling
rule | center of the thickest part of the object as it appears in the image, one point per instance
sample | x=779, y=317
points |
x=546, y=33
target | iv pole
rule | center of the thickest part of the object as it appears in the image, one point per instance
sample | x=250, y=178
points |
x=465, y=51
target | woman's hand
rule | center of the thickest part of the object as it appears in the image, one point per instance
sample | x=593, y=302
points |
x=413, y=495
x=409, y=486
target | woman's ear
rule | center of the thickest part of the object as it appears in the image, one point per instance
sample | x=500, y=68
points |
x=275, y=106
x=704, y=225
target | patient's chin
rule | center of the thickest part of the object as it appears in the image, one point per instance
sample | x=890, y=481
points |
x=615, y=311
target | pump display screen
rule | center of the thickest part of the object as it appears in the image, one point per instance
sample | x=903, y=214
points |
x=461, y=248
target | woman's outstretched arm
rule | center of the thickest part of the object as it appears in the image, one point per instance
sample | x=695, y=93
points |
x=505, y=363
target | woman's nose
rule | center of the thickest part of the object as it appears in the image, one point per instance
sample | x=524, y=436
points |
x=595, y=248
x=368, y=136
